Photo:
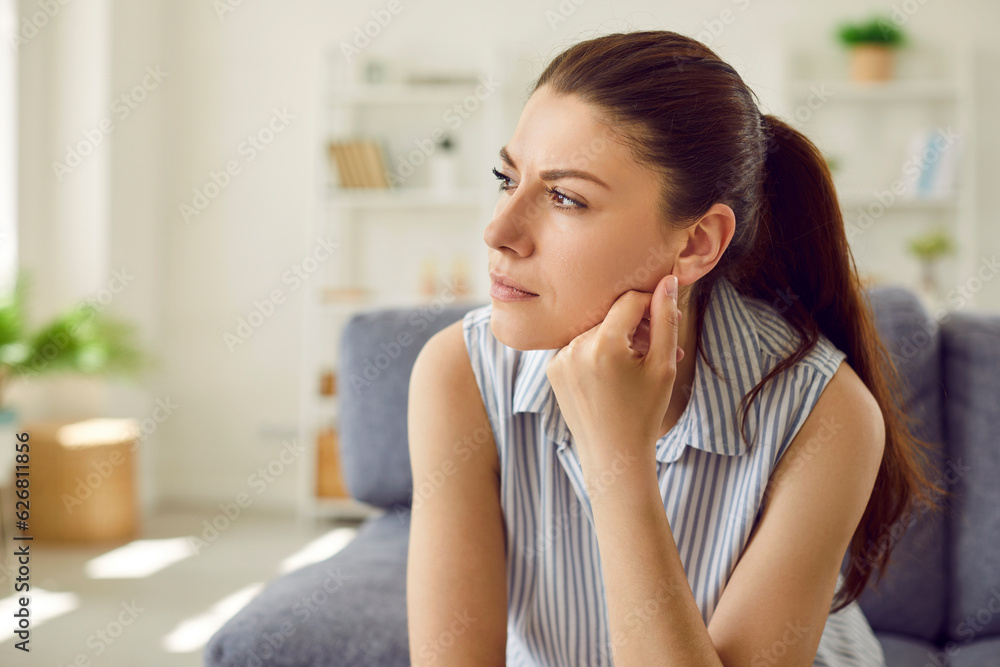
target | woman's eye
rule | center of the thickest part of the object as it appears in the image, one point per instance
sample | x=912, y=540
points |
x=504, y=180
x=556, y=195
x=560, y=200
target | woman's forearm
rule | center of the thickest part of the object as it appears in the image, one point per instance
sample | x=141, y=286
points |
x=653, y=616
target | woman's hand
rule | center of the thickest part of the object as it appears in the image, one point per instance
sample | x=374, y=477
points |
x=613, y=385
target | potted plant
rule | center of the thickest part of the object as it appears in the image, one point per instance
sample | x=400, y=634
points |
x=80, y=340
x=928, y=249
x=871, y=45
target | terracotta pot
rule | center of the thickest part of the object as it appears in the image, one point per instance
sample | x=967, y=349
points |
x=871, y=62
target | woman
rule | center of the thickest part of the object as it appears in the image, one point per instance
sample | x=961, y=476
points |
x=658, y=442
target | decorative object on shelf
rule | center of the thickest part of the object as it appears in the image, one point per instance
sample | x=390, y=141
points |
x=426, y=78
x=444, y=166
x=929, y=248
x=930, y=163
x=329, y=474
x=359, y=163
x=81, y=340
x=328, y=383
x=345, y=294
x=460, y=277
x=428, y=278
x=871, y=46
x=375, y=70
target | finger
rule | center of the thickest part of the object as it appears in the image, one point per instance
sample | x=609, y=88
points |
x=625, y=315
x=663, y=325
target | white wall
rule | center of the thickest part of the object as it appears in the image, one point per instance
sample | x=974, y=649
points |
x=226, y=75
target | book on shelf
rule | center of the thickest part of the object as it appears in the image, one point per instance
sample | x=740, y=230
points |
x=358, y=163
x=931, y=163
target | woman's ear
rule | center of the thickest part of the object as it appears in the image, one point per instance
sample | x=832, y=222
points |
x=704, y=243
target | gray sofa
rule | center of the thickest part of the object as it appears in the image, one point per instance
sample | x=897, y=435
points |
x=939, y=603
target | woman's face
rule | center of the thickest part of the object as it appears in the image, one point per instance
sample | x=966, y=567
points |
x=582, y=246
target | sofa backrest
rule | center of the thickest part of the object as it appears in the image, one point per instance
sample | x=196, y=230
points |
x=971, y=349
x=910, y=598
x=378, y=348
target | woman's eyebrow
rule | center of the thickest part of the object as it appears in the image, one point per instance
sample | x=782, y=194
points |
x=556, y=174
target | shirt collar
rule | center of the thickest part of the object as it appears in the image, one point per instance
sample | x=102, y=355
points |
x=711, y=419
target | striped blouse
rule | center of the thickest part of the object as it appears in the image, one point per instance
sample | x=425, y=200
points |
x=712, y=484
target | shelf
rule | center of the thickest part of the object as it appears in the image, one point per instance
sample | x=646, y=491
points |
x=862, y=199
x=403, y=198
x=344, y=508
x=888, y=91
x=401, y=93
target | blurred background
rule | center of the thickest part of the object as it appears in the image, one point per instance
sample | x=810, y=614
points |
x=195, y=196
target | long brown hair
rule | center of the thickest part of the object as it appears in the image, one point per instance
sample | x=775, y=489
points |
x=689, y=116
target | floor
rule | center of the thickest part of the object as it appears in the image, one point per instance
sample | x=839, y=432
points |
x=156, y=602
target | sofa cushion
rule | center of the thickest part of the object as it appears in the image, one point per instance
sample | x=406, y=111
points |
x=901, y=651
x=347, y=610
x=378, y=349
x=910, y=598
x=981, y=653
x=972, y=359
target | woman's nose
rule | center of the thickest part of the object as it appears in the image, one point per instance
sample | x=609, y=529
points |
x=512, y=224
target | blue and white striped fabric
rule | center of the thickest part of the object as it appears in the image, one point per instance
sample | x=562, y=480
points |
x=712, y=484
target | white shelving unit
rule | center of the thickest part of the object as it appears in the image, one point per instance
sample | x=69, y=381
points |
x=385, y=234
x=865, y=127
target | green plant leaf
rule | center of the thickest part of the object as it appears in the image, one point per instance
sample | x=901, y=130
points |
x=876, y=30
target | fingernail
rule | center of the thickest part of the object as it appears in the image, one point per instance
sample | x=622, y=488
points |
x=671, y=287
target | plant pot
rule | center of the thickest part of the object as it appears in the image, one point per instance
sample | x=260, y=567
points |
x=871, y=63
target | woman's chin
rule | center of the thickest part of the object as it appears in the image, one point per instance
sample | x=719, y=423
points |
x=519, y=333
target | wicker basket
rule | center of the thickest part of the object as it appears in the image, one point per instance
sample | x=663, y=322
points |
x=82, y=480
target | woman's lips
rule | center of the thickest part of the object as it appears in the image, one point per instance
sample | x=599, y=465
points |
x=508, y=293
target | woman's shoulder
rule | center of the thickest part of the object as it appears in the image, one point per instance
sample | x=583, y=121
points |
x=778, y=339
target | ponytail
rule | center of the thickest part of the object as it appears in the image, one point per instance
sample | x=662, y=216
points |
x=802, y=247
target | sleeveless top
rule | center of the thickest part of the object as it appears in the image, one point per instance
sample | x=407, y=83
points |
x=711, y=482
